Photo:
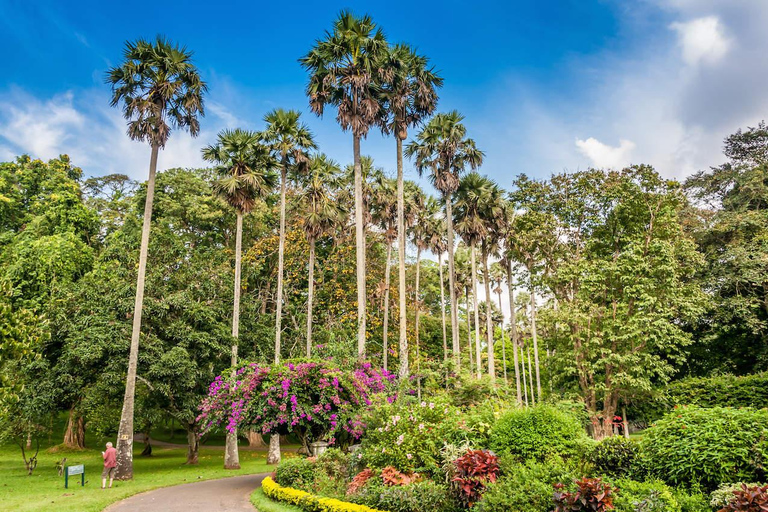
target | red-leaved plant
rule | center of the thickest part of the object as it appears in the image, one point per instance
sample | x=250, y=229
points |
x=392, y=477
x=748, y=499
x=358, y=482
x=474, y=470
x=592, y=494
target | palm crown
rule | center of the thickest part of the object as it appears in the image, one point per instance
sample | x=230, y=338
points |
x=289, y=138
x=473, y=202
x=321, y=210
x=245, y=166
x=157, y=85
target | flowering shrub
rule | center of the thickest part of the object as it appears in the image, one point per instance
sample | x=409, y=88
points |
x=312, y=399
x=474, y=470
x=408, y=435
x=592, y=494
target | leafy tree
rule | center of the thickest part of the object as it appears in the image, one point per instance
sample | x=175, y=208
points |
x=342, y=74
x=244, y=166
x=158, y=87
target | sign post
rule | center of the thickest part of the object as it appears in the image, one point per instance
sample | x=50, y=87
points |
x=73, y=471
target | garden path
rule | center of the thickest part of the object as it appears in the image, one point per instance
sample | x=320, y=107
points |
x=221, y=495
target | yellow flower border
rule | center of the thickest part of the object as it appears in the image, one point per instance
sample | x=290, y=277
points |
x=309, y=502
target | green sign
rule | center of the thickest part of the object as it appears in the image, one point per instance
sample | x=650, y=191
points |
x=73, y=471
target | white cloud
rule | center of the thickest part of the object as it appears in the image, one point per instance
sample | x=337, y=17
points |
x=604, y=156
x=702, y=40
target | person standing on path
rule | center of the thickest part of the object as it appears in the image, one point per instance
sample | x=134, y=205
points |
x=110, y=462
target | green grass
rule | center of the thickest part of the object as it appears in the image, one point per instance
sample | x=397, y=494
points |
x=44, y=490
x=264, y=504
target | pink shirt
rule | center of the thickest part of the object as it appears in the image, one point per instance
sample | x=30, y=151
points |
x=110, y=458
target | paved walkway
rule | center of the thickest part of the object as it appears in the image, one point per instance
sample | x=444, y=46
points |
x=222, y=495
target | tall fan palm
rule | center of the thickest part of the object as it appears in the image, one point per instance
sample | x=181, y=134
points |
x=158, y=88
x=320, y=213
x=463, y=280
x=471, y=197
x=497, y=278
x=291, y=141
x=421, y=234
x=443, y=149
x=409, y=95
x=507, y=263
x=493, y=215
x=437, y=244
x=342, y=69
x=245, y=168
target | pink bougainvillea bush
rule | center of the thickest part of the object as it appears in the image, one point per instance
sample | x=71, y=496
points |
x=312, y=399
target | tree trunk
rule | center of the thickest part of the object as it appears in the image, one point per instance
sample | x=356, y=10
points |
x=193, y=446
x=255, y=439
x=273, y=455
x=385, y=334
x=478, y=352
x=488, y=319
x=231, y=454
x=403, y=317
x=535, y=344
x=530, y=377
x=280, y=264
x=74, y=435
x=503, y=342
x=522, y=365
x=417, y=302
x=625, y=422
x=452, y=283
x=469, y=332
x=513, y=323
x=147, y=451
x=124, y=469
x=310, y=294
x=442, y=306
x=359, y=249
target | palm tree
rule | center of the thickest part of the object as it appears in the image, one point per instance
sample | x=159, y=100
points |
x=158, y=88
x=320, y=213
x=245, y=168
x=463, y=279
x=342, y=69
x=409, y=95
x=493, y=215
x=437, y=245
x=497, y=278
x=507, y=262
x=290, y=141
x=384, y=212
x=428, y=209
x=471, y=197
x=443, y=149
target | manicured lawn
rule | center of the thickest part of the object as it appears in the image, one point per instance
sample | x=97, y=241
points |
x=264, y=504
x=44, y=490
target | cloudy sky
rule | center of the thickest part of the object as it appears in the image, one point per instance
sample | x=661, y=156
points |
x=545, y=86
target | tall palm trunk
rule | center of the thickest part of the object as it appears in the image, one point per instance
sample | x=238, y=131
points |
x=124, y=469
x=417, y=302
x=535, y=343
x=359, y=248
x=522, y=365
x=385, y=334
x=403, y=322
x=503, y=338
x=478, y=356
x=231, y=454
x=452, y=282
x=488, y=319
x=311, y=294
x=280, y=264
x=469, y=332
x=442, y=306
x=530, y=377
x=513, y=322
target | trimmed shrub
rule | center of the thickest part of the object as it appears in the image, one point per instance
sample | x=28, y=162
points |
x=417, y=497
x=706, y=447
x=307, y=501
x=653, y=496
x=525, y=487
x=297, y=472
x=536, y=432
x=616, y=457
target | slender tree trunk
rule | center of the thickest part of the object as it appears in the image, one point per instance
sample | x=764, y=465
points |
x=273, y=455
x=535, y=344
x=147, y=451
x=530, y=377
x=280, y=264
x=231, y=454
x=625, y=422
x=417, y=302
x=403, y=318
x=522, y=365
x=385, y=334
x=452, y=283
x=193, y=446
x=310, y=294
x=74, y=435
x=513, y=323
x=124, y=470
x=488, y=319
x=503, y=342
x=469, y=333
x=359, y=249
x=442, y=306
x=478, y=351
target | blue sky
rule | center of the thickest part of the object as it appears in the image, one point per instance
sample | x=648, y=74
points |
x=546, y=86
